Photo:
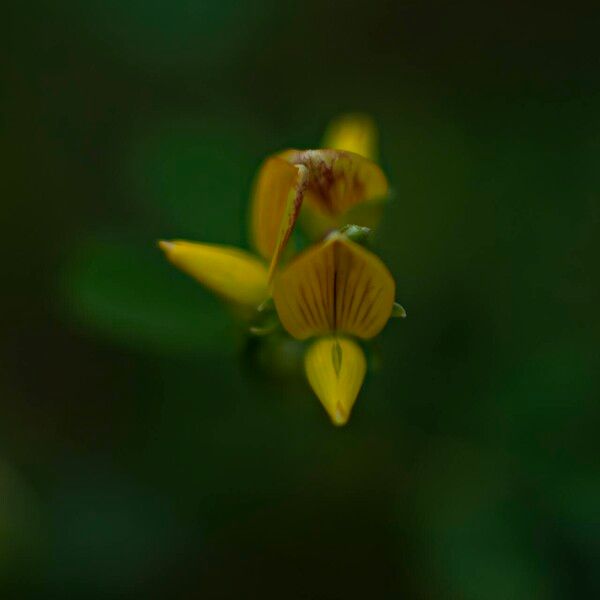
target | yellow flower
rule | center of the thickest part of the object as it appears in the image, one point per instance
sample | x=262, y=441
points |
x=336, y=291
x=332, y=291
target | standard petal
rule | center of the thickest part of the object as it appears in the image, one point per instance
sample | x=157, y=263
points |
x=334, y=286
x=353, y=132
x=340, y=180
x=235, y=275
x=335, y=368
x=274, y=193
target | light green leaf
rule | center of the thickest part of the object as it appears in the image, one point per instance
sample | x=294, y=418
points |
x=129, y=294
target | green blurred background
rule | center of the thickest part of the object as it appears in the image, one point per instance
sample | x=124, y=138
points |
x=142, y=456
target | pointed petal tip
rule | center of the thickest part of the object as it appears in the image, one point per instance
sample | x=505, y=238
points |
x=165, y=246
x=339, y=417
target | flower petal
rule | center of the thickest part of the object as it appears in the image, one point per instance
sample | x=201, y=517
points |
x=335, y=368
x=340, y=180
x=235, y=275
x=334, y=286
x=288, y=219
x=353, y=132
x=274, y=192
